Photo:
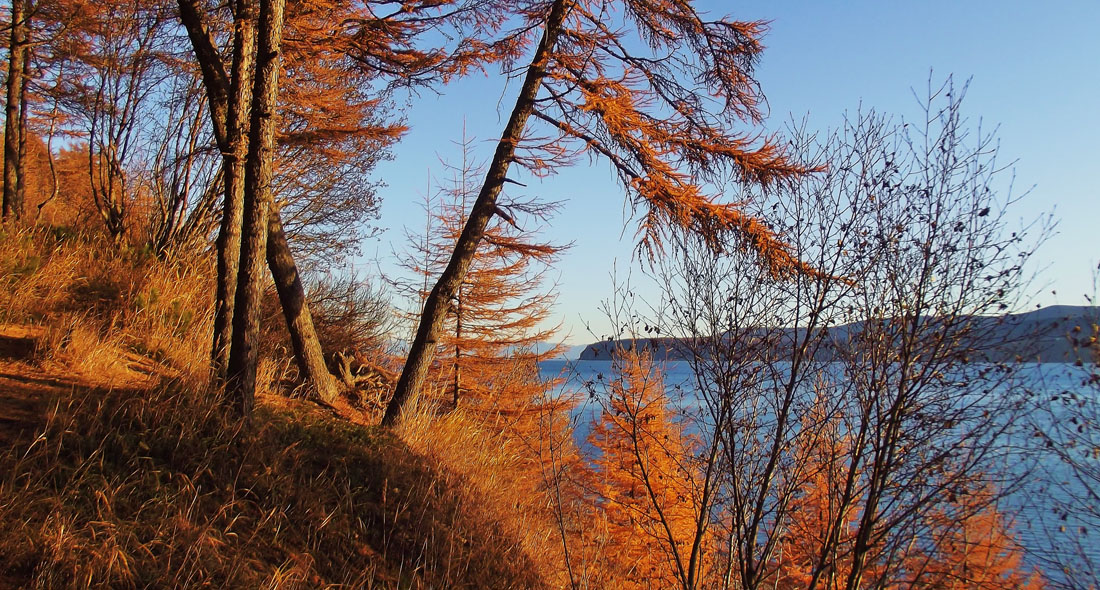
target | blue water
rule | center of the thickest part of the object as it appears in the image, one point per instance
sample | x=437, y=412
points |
x=1035, y=506
x=587, y=380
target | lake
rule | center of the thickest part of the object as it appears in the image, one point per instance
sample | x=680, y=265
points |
x=1036, y=506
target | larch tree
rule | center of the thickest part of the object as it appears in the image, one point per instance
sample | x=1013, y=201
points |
x=646, y=484
x=968, y=544
x=229, y=95
x=818, y=517
x=257, y=209
x=662, y=117
x=250, y=92
x=963, y=542
x=15, y=107
x=487, y=355
x=96, y=74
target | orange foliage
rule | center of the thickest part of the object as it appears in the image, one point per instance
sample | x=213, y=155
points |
x=662, y=116
x=975, y=552
x=488, y=352
x=965, y=543
x=486, y=362
x=645, y=481
x=822, y=526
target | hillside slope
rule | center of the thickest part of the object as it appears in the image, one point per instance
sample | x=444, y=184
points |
x=120, y=469
x=150, y=486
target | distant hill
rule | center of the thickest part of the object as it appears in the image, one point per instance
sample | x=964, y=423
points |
x=567, y=352
x=1039, y=335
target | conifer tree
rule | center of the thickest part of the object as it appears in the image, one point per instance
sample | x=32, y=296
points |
x=964, y=541
x=335, y=53
x=15, y=110
x=820, y=522
x=496, y=328
x=646, y=484
x=646, y=114
x=969, y=545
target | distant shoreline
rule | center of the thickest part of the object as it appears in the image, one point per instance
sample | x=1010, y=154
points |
x=1039, y=336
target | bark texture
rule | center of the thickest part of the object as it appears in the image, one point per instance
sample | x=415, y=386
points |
x=243, y=355
x=229, y=235
x=13, y=111
x=21, y=163
x=299, y=322
x=230, y=97
x=439, y=300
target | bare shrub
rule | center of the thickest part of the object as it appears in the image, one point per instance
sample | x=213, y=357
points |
x=890, y=342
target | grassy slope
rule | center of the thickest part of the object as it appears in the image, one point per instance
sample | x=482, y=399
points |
x=153, y=487
x=136, y=479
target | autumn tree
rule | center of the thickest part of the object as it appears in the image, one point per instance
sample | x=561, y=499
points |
x=643, y=113
x=816, y=509
x=113, y=78
x=907, y=232
x=41, y=108
x=496, y=327
x=32, y=25
x=962, y=542
x=730, y=318
x=232, y=100
x=647, y=484
x=14, y=110
x=108, y=66
x=968, y=544
x=362, y=51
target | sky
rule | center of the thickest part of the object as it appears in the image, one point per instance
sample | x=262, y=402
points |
x=1034, y=72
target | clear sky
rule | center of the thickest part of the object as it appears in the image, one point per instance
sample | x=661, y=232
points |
x=1034, y=70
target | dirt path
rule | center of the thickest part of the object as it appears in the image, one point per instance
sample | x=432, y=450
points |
x=26, y=390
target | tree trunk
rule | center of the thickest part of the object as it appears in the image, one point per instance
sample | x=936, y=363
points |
x=439, y=299
x=307, y=347
x=13, y=206
x=257, y=206
x=21, y=163
x=458, y=344
x=234, y=154
x=230, y=97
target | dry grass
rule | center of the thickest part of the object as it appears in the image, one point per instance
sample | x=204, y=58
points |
x=534, y=484
x=140, y=480
x=140, y=488
x=101, y=304
x=494, y=470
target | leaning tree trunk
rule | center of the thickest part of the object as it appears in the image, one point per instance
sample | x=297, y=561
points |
x=243, y=354
x=303, y=336
x=438, y=300
x=13, y=205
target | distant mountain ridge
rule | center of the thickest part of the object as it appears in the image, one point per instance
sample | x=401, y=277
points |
x=1041, y=335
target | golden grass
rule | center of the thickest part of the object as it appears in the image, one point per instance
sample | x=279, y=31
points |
x=492, y=468
x=139, y=479
x=98, y=301
x=155, y=487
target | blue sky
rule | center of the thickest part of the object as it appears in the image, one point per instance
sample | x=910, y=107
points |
x=1035, y=73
